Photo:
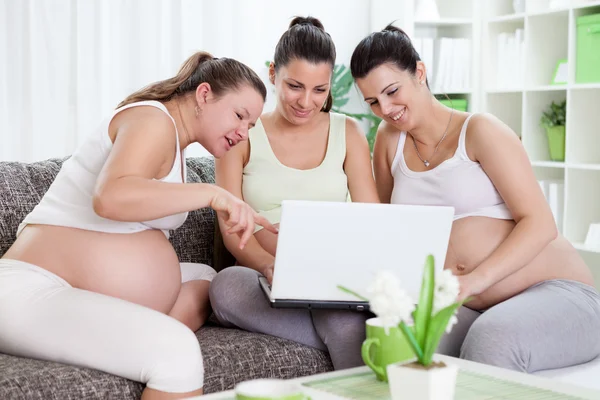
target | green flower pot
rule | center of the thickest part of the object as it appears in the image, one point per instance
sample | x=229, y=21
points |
x=556, y=142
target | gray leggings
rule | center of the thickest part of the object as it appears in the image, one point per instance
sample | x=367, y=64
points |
x=238, y=301
x=553, y=324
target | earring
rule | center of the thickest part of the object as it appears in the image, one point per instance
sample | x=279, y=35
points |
x=422, y=82
x=197, y=109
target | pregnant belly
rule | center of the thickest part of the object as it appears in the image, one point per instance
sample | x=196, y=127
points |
x=474, y=239
x=141, y=267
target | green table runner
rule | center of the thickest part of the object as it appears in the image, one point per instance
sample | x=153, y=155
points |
x=469, y=386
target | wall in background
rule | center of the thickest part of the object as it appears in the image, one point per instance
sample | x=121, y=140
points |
x=66, y=64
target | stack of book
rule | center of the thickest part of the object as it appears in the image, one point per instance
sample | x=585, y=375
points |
x=448, y=63
x=510, y=60
x=554, y=191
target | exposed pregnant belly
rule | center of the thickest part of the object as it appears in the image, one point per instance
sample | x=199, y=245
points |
x=473, y=239
x=141, y=267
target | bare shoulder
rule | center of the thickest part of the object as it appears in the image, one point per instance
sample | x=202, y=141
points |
x=485, y=126
x=238, y=154
x=386, y=140
x=486, y=131
x=148, y=122
x=354, y=132
x=387, y=132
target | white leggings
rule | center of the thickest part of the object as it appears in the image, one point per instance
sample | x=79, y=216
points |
x=43, y=317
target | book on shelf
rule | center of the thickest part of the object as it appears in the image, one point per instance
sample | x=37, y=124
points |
x=554, y=191
x=510, y=59
x=447, y=61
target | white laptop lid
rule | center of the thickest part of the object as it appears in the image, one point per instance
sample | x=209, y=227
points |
x=325, y=244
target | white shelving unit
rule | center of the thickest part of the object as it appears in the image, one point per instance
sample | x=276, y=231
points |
x=549, y=36
x=547, y=29
x=459, y=19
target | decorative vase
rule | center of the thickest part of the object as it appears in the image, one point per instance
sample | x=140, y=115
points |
x=416, y=382
x=426, y=10
x=556, y=142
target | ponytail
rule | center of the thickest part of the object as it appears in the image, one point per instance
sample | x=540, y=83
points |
x=222, y=74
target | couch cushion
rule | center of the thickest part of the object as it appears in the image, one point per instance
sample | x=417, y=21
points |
x=230, y=356
x=22, y=186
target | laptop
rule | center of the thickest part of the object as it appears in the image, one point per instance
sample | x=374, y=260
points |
x=325, y=244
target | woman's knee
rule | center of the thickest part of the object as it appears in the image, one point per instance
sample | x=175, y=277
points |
x=495, y=343
x=231, y=289
x=175, y=360
x=340, y=325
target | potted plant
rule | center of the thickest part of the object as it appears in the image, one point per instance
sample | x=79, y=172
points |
x=435, y=313
x=553, y=120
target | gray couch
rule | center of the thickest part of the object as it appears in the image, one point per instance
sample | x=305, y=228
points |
x=230, y=355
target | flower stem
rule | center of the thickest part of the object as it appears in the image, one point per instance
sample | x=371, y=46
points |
x=412, y=341
x=343, y=289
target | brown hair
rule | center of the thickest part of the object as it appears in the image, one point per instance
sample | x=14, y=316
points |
x=391, y=45
x=222, y=74
x=306, y=39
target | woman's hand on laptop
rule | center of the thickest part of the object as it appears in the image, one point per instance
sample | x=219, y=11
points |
x=239, y=217
x=267, y=272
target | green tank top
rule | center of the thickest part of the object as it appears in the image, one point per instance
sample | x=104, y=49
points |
x=267, y=182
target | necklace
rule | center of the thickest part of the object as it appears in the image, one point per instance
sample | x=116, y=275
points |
x=426, y=162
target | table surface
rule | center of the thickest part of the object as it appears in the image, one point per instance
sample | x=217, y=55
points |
x=464, y=365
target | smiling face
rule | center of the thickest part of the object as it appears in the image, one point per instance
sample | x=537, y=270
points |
x=302, y=89
x=395, y=95
x=225, y=120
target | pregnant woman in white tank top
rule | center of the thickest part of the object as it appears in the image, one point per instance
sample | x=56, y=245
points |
x=92, y=262
x=524, y=278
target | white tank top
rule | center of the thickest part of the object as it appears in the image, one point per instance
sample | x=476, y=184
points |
x=68, y=201
x=458, y=182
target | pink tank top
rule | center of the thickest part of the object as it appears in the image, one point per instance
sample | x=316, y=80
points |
x=458, y=182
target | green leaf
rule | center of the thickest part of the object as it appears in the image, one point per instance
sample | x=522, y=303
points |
x=437, y=327
x=412, y=341
x=425, y=306
x=353, y=293
x=554, y=115
x=267, y=63
x=340, y=102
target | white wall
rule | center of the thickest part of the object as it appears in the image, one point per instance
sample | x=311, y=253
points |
x=65, y=64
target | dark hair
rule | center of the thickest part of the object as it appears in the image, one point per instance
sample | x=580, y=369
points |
x=391, y=45
x=306, y=39
x=222, y=74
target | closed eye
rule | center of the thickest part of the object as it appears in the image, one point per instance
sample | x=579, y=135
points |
x=374, y=102
x=293, y=86
x=239, y=116
x=392, y=92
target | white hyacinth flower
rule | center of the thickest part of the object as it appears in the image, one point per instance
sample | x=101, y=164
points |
x=389, y=301
x=446, y=290
x=445, y=294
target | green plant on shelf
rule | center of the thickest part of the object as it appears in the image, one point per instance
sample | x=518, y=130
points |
x=341, y=84
x=553, y=120
x=554, y=115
